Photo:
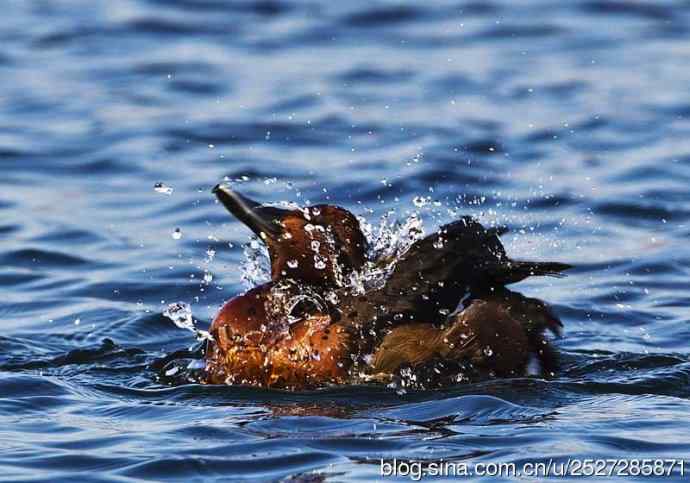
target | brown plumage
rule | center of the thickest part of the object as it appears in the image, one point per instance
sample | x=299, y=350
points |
x=495, y=335
x=307, y=327
x=256, y=345
x=320, y=244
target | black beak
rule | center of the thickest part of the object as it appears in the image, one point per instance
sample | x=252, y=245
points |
x=264, y=221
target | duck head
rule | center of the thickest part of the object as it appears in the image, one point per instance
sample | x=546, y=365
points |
x=319, y=244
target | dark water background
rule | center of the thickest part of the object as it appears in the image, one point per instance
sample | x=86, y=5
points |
x=569, y=121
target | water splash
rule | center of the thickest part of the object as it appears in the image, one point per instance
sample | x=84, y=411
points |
x=256, y=266
x=392, y=237
x=181, y=315
x=388, y=241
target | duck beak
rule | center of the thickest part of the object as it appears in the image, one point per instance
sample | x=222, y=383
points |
x=264, y=221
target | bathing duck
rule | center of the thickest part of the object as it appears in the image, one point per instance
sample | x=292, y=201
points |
x=441, y=310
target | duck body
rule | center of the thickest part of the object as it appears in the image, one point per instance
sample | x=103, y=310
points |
x=258, y=342
x=308, y=327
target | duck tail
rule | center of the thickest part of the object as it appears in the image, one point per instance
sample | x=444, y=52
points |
x=515, y=270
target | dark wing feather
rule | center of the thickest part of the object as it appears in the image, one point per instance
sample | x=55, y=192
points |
x=435, y=273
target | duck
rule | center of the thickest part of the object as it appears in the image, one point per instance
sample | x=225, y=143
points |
x=440, y=314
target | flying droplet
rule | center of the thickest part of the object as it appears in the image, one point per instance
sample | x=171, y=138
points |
x=172, y=371
x=163, y=188
x=420, y=201
x=177, y=234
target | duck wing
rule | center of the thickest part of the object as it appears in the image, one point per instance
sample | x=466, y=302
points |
x=466, y=252
x=496, y=335
x=435, y=273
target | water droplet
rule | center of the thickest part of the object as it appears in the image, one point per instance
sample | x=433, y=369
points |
x=163, y=188
x=315, y=245
x=420, y=201
x=172, y=371
x=208, y=277
x=292, y=263
x=488, y=351
x=196, y=364
x=332, y=297
x=77, y=321
x=177, y=234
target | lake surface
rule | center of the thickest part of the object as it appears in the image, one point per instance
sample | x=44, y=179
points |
x=568, y=121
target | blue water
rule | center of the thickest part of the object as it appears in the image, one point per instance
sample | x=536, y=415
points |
x=568, y=121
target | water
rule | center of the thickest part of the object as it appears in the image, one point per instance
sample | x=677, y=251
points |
x=569, y=122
